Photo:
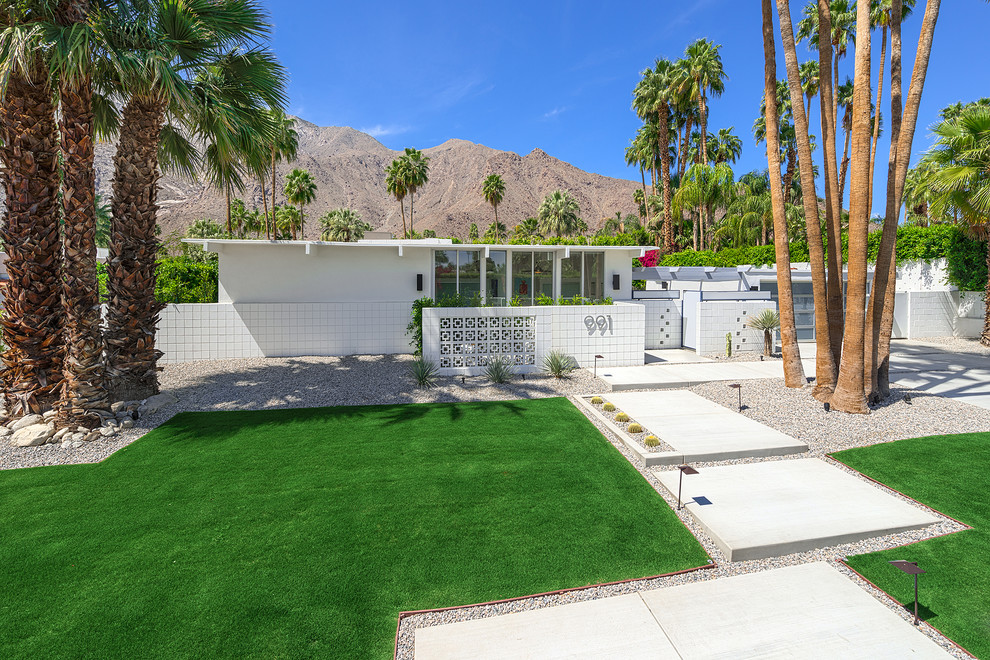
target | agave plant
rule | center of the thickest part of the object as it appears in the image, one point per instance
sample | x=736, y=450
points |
x=558, y=364
x=768, y=320
x=425, y=373
x=499, y=370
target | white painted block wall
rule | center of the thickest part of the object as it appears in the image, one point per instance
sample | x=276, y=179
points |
x=716, y=318
x=616, y=332
x=663, y=323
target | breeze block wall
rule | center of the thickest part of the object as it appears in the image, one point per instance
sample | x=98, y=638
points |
x=716, y=318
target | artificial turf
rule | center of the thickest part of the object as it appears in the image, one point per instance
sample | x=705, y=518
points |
x=950, y=474
x=303, y=533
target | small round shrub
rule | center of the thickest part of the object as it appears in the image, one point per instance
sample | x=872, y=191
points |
x=635, y=428
x=596, y=400
x=621, y=417
x=608, y=407
x=651, y=441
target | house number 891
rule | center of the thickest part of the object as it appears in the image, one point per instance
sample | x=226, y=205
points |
x=599, y=324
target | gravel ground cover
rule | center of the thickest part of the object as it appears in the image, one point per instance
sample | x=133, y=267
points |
x=639, y=437
x=304, y=382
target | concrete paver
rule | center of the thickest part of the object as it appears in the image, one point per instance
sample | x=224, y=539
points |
x=806, y=611
x=701, y=430
x=761, y=510
x=618, y=627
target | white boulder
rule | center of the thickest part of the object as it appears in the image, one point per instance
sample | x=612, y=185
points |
x=31, y=436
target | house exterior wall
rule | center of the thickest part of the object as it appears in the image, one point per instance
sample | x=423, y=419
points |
x=662, y=320
x=461, y=340
x=716, y=318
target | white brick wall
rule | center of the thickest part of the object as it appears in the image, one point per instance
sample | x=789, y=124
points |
x=663, y=323
x=717, y=318
x=240, y=330
x=619, y=339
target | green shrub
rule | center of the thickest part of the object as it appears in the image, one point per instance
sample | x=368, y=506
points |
x=634, y=428
x=621, y=417
x=499, y=370
x=182, y=280
x=596, y=400
x=558, y=364
x=608, y=407
x=651, y=441
x=425, y=373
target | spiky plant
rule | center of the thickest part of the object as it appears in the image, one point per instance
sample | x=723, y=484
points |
x=499, y=370
x=425, y=373
x=768, y=321
x=558, y=364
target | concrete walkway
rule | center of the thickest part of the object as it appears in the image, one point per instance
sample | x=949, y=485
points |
x=806, y=611
x=700, y=430
x=761, y=510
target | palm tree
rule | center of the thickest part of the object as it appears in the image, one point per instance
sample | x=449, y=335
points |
x=342, y=225
x=725, y=146
x=473, y=233
x=395, y=184
x=493, y=189
x=809, y=80
x=287, y=221
x=844, y=95
x=528, y=230
x=558, y=214
x=705, y=75
x=300, y=189
x=160, y=48
x=283, y=145
x=654, y=95
x=33, y=319
x=417, y=174
x=842, y=19
x=496, y=233
x=704, y=188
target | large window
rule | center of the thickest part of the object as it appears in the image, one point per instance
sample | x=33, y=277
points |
x=495, y=277
x=457, y=271
x=532, y=275
x=583, y=274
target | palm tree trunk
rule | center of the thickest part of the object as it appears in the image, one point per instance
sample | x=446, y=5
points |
x=793, y=369
x=667, y=229
x=824, y=362
x=882, y=378
x=412, y=231
x=230, y=229
x=905, y=129
x=402, y=209
x=833, y=195
x=789, y=171
x=704, y=122
x=682, y=159
x=264, y=200
x=33, y=320
x=84, y=371
x=642, y=175
x=876, y=119
x=844, y=168
x=274, y=226
x=849, y=395
x=132, y=315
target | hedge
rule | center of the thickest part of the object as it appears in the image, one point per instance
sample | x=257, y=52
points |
x=179, y=280
x=965, y=256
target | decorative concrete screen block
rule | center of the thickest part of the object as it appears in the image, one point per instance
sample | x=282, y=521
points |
x=663, y=323
x=240, y=330
x=616, y=332
x=717, y=318
x=463, y=340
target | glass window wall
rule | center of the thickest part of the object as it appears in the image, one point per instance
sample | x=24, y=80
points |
x=570, y=276
x=522, y=276
x=469, y=274
x=495, y=277
x=543, y=274
x=594, y=275
x=445, y=269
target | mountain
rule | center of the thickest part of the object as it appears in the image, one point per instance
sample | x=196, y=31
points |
x=349, y=169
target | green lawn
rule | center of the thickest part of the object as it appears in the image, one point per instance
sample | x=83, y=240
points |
x=297, y=533
x=951, y=474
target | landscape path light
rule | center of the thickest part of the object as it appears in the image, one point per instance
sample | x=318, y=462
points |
x=911, y=568
x=684, y=469
x=738, y=387
x=597, y=358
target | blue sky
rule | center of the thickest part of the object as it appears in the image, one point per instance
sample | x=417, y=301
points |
x=559, y=75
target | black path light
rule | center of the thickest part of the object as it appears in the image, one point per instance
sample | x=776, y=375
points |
x=685, y=469
x=911, y=568
x=597, y=358
x=738, y=388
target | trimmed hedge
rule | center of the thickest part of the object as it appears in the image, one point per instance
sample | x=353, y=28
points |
x=965, y=256
x=179, y=280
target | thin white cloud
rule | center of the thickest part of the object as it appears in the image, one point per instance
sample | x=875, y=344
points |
x=380, y=130
x=458, y=90
x=556, y=112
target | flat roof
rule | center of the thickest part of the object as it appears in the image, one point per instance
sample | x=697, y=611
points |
x=212, y=244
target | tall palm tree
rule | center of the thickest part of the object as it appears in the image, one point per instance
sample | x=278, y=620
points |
x=160, y=49
x=493, y=189
x=343, y=225
x=704, y=188
x=287, y=221
x=558, y=214
x=395, y=184
x=725, y=146
x=283, y=146
x=528, y=230
x=417, y=172
x=497, y=232
x=809, y=80
x=825, y=363
x=844, y=94
x=842, y=19
x=300, y=189
x=705, y=75
x=84, y=369
x=33, y=319
x=653, y=97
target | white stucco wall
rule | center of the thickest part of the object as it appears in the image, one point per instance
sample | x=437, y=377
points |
x=923, y=276
x=717, y=318
x=662, y=321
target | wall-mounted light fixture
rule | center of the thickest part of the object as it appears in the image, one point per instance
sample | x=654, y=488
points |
x=419, y=281
x=615, y=281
